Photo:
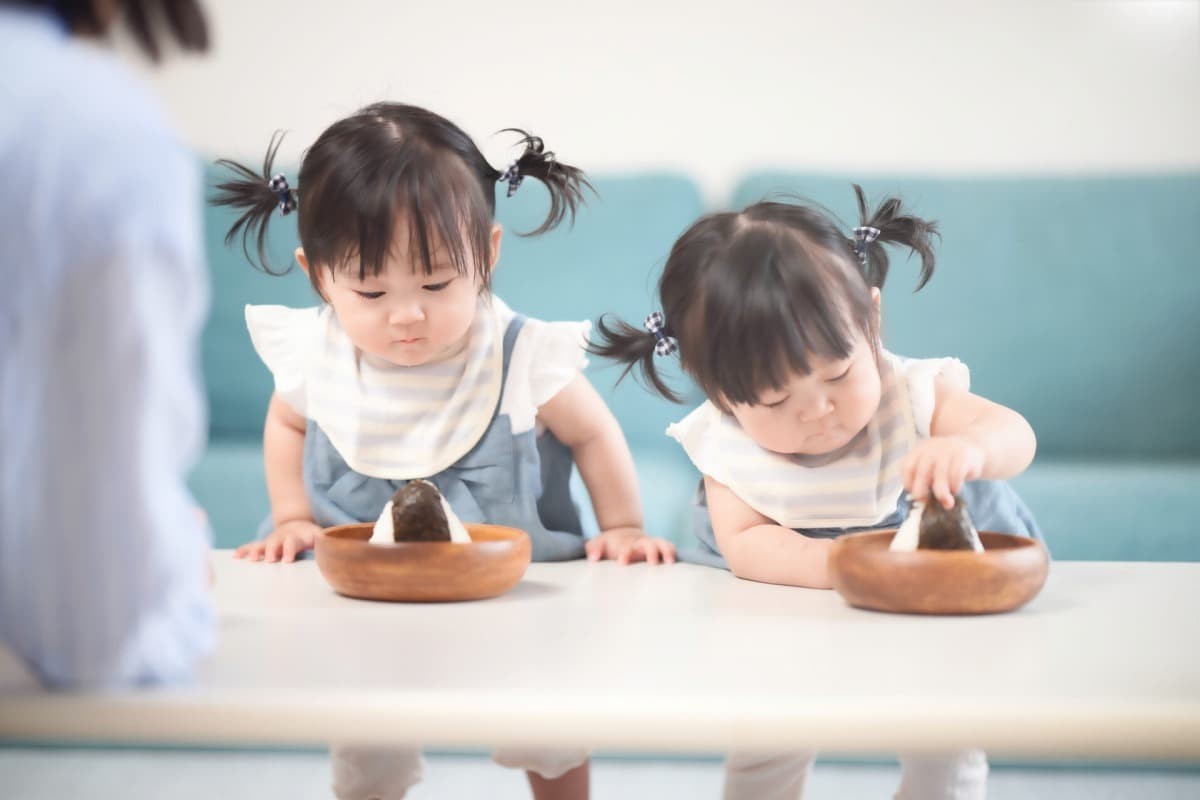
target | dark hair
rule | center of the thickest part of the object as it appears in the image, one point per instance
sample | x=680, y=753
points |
x=389, y=159
x=184, y=19
x=750, y=296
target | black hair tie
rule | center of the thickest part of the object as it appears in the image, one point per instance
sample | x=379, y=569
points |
x=513, y=177
x=863, y=236
x=287, y=197
x=664, y=345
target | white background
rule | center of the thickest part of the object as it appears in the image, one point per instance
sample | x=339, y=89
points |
x=714, y=89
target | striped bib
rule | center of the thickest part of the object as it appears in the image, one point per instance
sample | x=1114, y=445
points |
x=858, y=486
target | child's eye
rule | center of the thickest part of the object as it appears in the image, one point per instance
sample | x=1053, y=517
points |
x=845, y=372
x=369, y=295
x=437, y=287
x=777, y=403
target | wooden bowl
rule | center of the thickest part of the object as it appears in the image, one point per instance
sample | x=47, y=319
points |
x=423, y=572
x=1007, y=575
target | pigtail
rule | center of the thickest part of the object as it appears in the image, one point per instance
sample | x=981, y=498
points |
x=636, y=348
x=259, y=196
x=566, y=183
x=890, y=223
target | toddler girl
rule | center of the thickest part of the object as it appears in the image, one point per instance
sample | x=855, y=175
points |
x=811, y=428
x=411, y=368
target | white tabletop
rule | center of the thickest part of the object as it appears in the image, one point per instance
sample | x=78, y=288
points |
x=1104, y=663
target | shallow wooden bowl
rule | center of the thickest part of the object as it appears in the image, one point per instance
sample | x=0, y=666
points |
x=423, y=572
x=1007, y=575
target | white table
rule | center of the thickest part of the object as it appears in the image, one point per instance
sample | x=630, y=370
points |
x=1105, y=663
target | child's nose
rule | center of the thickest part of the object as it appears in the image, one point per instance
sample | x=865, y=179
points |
x=811, y=412
x=406, y=314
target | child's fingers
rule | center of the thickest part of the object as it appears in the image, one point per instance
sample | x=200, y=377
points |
x=668, y=552
x=957, y=472
x=973, y=471
x=909, y=474
x=922, y=479
x=664, y=551
x=906, y=471
x=655, y=551
x=290, y=545
x=248, y=550
x=272, y=549
x=941, y=485
x=594, y=549
x=252, y=551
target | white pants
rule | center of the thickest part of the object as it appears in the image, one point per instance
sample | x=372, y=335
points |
x=387, y=773
x=781, y=776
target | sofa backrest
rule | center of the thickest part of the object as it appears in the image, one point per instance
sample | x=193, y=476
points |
x=1074, y=300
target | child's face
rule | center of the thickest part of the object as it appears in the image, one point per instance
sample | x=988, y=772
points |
x=403, y=316
x=816, y=413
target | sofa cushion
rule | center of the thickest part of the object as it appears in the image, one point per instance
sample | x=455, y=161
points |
x=230, y=486
x=1116, y=511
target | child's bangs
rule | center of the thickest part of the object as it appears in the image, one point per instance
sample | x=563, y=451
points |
x=428, y=212
x=769, y=315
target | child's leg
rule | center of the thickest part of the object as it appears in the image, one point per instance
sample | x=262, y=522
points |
x=553, y=774
x=956, y=776
x=374, y=773
x=571, y=785
x=767, y=776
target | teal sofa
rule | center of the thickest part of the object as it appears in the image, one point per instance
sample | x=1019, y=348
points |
x=1075, y=300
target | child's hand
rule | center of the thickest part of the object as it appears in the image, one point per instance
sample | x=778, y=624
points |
x=940, y=466
x=284, y=544
x=627, y=545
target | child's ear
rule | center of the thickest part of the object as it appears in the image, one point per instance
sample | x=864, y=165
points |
x=302, y=260
x=877, y=301
x=497, y=234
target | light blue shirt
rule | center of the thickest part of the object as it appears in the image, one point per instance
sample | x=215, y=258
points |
x=103, y=291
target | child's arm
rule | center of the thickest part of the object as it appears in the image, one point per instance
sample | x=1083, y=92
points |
x=759, y=550
x=970, y=438
x=283, y=457
x=578, y=417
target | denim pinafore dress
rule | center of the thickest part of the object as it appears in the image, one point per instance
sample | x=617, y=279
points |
x=520, y=480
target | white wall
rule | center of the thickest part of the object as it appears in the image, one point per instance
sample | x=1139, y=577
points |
x=714, y=89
